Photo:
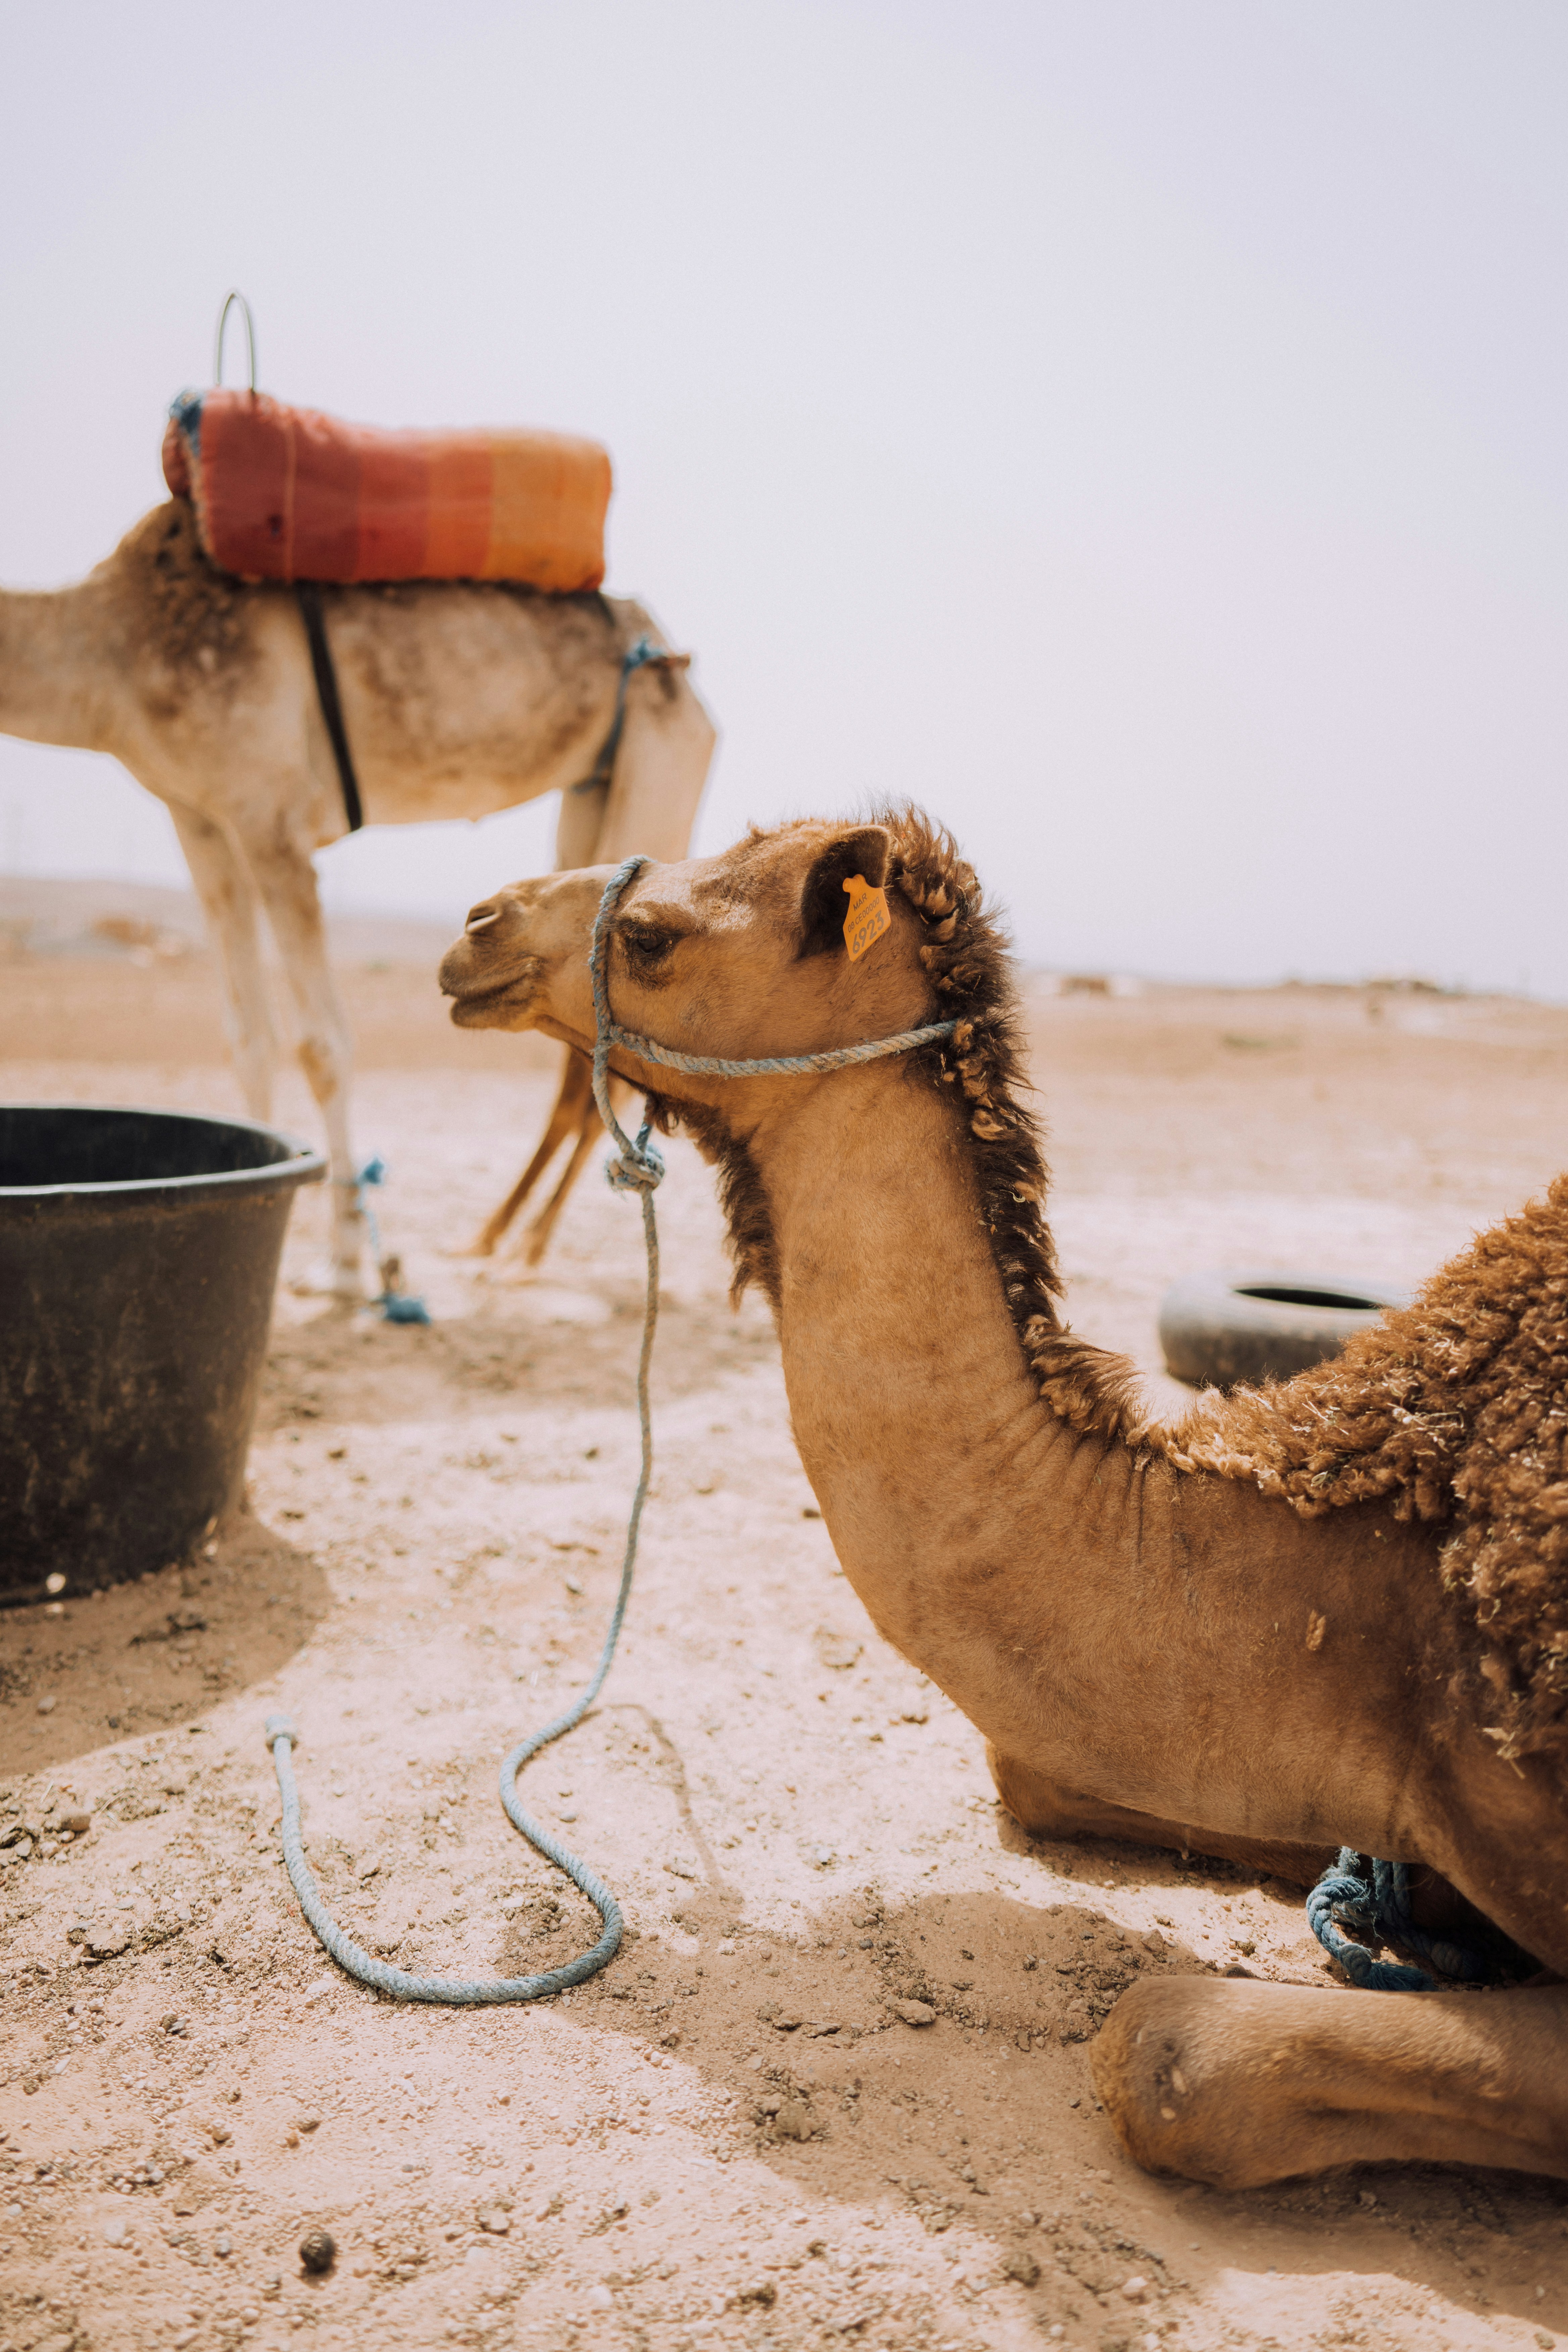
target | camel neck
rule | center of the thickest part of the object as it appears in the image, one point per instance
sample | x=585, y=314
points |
x=53, y=667
x=1083, y=1603
x=917, y=1421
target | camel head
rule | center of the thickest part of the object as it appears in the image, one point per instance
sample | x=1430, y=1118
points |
x=742, y=955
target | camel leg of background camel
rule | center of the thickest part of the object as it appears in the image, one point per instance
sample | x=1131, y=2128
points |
x=661, y=769
x=287, y=882
x=575, y=1115
x=591, y=1131
x=1238, y=2084
x=577, y=832
x=573, y=1103
x=231, y=906
x=1047, y=1811
x=650, y=806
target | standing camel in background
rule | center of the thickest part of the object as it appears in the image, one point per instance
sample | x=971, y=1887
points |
x=458, y=699
x=1330, y=1610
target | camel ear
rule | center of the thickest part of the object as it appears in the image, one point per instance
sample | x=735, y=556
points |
x=824, y=902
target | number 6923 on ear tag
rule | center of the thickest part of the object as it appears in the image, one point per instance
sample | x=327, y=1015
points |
x=868, y=917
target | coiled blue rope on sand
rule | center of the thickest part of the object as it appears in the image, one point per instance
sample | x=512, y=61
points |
x=637, y=1167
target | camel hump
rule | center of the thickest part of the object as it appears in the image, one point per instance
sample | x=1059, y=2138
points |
x=286, y=494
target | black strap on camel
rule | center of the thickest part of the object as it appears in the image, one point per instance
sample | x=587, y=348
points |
x=309, y=596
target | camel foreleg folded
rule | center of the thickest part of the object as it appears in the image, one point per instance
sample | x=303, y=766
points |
x=1238, y=2084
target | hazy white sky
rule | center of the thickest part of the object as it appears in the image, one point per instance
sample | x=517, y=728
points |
x=1135, y=429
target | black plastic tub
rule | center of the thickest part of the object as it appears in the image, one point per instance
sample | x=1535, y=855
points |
x=138, y=1256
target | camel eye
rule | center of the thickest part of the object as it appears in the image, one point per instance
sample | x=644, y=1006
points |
x=646, y=950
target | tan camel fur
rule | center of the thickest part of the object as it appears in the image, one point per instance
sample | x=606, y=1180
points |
x=1155, y=1643
x=459, y=700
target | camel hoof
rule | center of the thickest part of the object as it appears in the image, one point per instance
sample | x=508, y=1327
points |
x=327, y=1280
x=515, y=1272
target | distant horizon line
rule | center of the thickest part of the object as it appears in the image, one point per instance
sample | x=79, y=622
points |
x=1084, y=977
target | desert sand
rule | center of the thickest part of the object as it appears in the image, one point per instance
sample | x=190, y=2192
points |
x=731, y=2137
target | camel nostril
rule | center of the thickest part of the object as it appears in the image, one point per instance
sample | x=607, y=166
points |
x=480, y=917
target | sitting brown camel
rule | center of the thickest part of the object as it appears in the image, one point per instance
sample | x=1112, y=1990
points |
x=1334, y=1611
x=459, y=699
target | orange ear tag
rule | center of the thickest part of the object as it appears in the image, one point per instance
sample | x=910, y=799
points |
x=868, y=917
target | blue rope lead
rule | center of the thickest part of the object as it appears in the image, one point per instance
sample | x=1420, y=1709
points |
x=637, y=1167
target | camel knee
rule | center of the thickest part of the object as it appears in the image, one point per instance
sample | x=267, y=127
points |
x=1178, y=2101
x=1206, y=2080
x=321, y=1059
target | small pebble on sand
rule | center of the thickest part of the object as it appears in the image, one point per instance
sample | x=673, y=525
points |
x=317, y=2252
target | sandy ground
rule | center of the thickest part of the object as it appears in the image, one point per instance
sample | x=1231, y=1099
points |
x=730, y=2138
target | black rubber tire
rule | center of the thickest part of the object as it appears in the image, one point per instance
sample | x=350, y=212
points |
x=1216, y=1330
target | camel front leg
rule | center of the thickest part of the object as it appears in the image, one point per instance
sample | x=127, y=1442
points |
x=1047, y=1811
x=230, y=904
x=1239, y=2084
x=287, y=881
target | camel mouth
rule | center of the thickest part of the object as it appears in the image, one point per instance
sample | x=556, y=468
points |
x=493, y=1004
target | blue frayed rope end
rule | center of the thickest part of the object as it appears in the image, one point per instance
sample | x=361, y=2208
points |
x=396, y=1305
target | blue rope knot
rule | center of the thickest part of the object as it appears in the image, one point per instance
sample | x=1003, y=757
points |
x=1374, y=1899
x=638, y=1169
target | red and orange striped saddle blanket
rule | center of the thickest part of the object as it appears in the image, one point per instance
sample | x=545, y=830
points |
x=285, y=493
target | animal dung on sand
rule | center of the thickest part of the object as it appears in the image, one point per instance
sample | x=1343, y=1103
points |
x=284, y=493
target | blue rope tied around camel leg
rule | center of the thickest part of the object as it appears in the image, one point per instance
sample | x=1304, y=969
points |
x=1374, y=1899
x=396, y=1305
x=636, y=1167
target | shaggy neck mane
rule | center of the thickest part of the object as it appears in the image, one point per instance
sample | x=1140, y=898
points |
x=966, y=955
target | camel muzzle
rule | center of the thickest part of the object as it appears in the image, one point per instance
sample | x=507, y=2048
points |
x=491, y=987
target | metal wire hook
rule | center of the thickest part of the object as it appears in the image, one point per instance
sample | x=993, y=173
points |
x=229, y=299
